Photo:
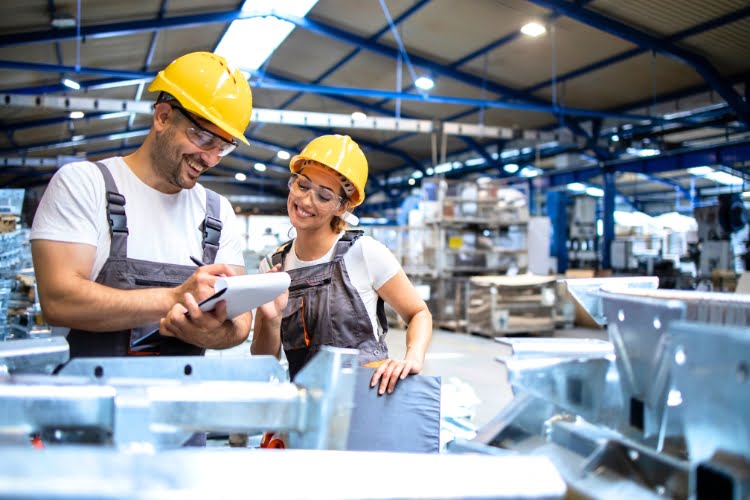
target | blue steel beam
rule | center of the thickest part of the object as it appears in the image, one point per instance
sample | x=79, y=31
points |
x=403, y=17
x=699, y=63
x=680, y=159
x=149, y=25
x=694, y=30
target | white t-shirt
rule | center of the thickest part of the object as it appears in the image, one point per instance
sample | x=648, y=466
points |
x=369, y=265
x=162, y=227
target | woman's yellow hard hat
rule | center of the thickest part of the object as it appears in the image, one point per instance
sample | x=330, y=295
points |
x=207, y=85
x=341, y=154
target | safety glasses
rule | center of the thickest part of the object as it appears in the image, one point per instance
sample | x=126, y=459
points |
x=205, y=139
x=323, y=197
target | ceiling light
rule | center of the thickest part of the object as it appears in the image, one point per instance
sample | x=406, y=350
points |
x=443, y=168
x=76, y=115
x=417, y=174
x=412, y=181
x=595, y=191
x=511, y=168
x=240, y=176
x=530, y=172
x=71, y=84
x=283, y=155
x=533, y=29
x=63, y=20
x=249, y=42
x=424, y=83
x=358, y=116
x=429, y=171
x=577, y=186
x=615, y=138
x=259, y=167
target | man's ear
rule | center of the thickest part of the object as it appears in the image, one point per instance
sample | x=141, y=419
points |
x=162, y=111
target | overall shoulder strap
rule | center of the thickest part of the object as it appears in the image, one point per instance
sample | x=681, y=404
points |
x=280, y=253
x=118, y=221
x=346, y=242
x=211, y=227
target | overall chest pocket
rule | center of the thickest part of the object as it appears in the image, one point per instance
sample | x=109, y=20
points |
x=306, y=322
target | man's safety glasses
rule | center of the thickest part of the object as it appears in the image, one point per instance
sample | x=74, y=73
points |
x=323, y=197
x=205, y=139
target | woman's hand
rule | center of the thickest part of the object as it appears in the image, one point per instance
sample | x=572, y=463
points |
x=390, y=371
x=273, y=310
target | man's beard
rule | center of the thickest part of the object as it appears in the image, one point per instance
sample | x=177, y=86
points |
x=167, y=159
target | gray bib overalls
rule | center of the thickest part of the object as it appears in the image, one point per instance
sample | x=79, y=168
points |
x=324, y=308
x=124, y=273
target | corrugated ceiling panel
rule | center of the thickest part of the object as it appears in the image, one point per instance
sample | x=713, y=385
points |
x=665, y=17
x=727, y=47
x=630, y=81
x=527, y=61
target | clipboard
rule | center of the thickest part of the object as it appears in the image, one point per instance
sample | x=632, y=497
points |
x=241, y=293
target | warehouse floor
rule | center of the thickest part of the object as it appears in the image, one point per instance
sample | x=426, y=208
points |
x=465, y=362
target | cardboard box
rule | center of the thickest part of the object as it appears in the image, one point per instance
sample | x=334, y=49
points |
x=8, y=223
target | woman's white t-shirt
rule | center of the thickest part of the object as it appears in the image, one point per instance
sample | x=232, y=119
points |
x=369, y=264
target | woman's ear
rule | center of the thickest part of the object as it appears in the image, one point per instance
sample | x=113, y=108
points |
x=343, y=208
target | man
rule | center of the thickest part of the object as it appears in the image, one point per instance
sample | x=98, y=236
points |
x=112, y=241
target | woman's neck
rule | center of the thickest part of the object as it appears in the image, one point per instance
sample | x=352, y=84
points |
x=312, y=245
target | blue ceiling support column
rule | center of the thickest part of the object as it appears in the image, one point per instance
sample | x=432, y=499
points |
x=557, y=211
x=608, y=218
x=699, y=63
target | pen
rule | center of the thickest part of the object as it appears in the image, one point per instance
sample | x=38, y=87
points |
x=197, y=262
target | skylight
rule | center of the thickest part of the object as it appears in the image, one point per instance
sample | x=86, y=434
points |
x=248, y=43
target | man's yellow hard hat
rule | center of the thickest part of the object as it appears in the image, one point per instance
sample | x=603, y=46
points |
x=207, y=85
x=341, y=154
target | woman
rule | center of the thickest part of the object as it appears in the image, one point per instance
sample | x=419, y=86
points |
x=340, y=279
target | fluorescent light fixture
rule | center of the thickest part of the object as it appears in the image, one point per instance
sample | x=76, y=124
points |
x=526, y=150
x=71, y=84
x=249, y=42
x=283, y=155
x=576, y=186
x=77, y=138
x=76, y=115
x=700, y=171
x=529, y=172
x=615, y=138
x=457, y=164
x=717, y=176
x=240, y=176
x=417, y=174
x=533, y=29
x=259, y=167
x=511, y=168
x=412, y=181
x=424, y=83
x=443, y=168
x=429, y=171
x=495, y=156
x=643, y=152
x=473, y=162
x=358, y=116
x=595, y=191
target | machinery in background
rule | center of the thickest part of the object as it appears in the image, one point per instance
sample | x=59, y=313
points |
x=662, y=410
x=722, y=240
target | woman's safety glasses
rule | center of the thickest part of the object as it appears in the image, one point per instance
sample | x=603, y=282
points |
x=205, y=139
x=323, y=197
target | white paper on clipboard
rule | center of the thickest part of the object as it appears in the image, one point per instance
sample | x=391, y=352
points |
x=246, y=292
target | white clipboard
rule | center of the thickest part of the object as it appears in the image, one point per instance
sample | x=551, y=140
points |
x=241, y=293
